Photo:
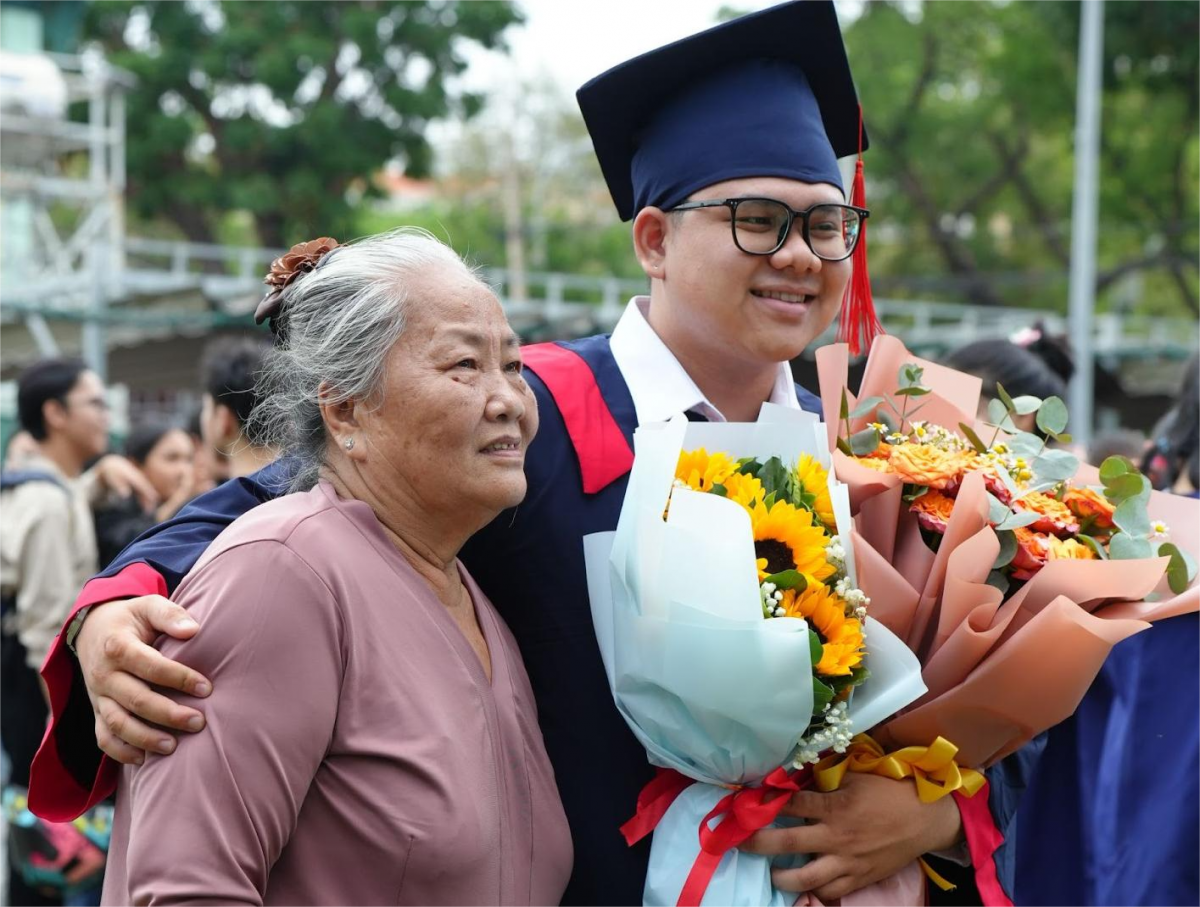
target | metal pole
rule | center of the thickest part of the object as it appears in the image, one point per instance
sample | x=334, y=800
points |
x=1084, y=216
x=95, y=348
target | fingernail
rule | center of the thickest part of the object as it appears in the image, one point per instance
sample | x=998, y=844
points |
x=165, y=745
x=201, y=688
x=186, y=623
x=195, y=723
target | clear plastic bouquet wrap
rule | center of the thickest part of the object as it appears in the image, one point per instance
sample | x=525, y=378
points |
x=1006, y=566
x=736, y=642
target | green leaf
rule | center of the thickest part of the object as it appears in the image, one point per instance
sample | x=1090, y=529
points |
x=844, y=447
x=910, y=375
x=822, y=694
x=998, y=580
x=1124, y=547
x=1026, y=444
x=1005, y=398
x=864, y=442
x=998, y=416
x=917, y=491
x=1025, y=405
x=774, y=477
x=1064, y=438
x=1125, y=487
x=749, y=466
x=787, y=579
x=1017, y=520
x=888, y=419
x=1178, y=574
x=815, y=649
x=969, y=433
x=998, y=512
x=844, y=413
x=1095, y=545
x=1055, y=465
x=1052, y=415
x=914, y=391
x=865, y=406
x=1131, y=517
x=1008, y=549
x=1112, y=467
x=719, y=490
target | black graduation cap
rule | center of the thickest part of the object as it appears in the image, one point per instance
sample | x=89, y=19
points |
x=768, y=94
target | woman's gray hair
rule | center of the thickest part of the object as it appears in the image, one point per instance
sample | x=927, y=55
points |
x=340, y=320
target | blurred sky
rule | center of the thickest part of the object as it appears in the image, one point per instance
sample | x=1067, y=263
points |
x=573, y=40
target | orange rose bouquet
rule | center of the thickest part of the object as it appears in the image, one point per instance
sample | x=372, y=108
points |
x=1007, y=566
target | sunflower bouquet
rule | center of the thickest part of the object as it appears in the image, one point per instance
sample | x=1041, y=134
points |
x=736, y=640
x=1011, y=568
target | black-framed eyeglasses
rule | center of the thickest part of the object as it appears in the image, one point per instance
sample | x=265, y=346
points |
x=761, y=226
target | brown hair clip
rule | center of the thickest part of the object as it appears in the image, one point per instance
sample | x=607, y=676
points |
x=299, y=260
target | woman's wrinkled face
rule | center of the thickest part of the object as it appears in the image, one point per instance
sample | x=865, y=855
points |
x=169, y=463
x=457, y=417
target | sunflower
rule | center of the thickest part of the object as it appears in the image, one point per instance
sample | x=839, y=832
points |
x=841, y=636
x=700, y=470
x=813, y=480
x=785, y=538
x=746, y=490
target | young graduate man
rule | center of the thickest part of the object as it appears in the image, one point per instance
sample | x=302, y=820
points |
x=722, y=149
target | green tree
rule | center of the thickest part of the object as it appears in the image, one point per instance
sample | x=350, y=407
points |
x=281, y=108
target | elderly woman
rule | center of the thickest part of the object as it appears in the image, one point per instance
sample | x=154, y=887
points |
x=372, y=736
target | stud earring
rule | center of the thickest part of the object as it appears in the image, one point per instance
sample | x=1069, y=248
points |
x=348, y=444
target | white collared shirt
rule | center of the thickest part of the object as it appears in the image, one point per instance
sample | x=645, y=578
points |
x=658, y=383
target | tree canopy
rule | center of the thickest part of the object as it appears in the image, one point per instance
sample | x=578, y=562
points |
x=280, y=108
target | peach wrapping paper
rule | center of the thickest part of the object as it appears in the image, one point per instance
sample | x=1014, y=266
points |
x=999, y=671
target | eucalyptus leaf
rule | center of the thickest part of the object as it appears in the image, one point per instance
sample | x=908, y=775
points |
x=1026, y=444
x=1052, y=415
x=1005, y=398
x=1125, y=487
x=1124, y=547
x=1017, y=520
x=1112, y=467
x=996, y=411
x=917, y=492
x=1132, y=518
x=1177, y=569
x=1064, y=438
x=788, y=579
x=864, y=442
x=998, y=580
x=1026, y=404
x=1055, y=465
x=865, y=406
x=1008, y=548
x=915, y=391
x=998, y=512
x=969, y=433
x=1095, y=545
x=888, y=419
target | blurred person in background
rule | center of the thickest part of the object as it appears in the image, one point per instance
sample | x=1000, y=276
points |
x=164, y=454
x=1020, y=369
x=1127, y=443
x=228, y=371
x=20, y=447
x=208, y=467
x=47, y=547
x=1172, y=461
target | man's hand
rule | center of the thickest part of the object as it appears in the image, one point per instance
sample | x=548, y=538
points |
x=863, y=832
x=119, y=664
x=122, y=478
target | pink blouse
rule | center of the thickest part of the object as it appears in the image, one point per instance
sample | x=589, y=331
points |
x=355, y=752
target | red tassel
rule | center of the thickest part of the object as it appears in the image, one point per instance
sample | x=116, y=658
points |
x=859, y=324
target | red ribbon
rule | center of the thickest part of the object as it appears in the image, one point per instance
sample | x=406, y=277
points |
x=745, y=811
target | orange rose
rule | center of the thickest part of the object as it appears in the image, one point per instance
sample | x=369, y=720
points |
x=1094, y=510
x=1055, y=516
x=1032, y=550
x=924, y=464
x=933, y=510
x=872, y=462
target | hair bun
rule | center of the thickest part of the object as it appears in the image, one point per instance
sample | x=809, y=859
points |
x=300, y=259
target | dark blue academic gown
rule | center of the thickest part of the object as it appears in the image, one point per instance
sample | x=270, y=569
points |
x=529, y=561
x=1114, y=808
